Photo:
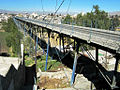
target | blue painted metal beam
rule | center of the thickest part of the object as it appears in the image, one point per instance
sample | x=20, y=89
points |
x=30, y=42
x=74, y=69
x=47, y=50
x=74, y=64
x=43, y=51
x=36, y=49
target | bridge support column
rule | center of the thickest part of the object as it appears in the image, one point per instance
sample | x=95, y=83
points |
x=47, y=50
x=25, y=25
x=42, y=33
x=22, y=52
x=42, y=37
x=74, y=45
x=116, y=64
x=24, y=35
x=60, y=42
x=63, y=43
x=96, y=55
x=30, y=41
x=36, y=45
x=97, y=58
x=21, y=26
x=24, y=30
x=18, y=23
x=115, y=72
x=74, y=64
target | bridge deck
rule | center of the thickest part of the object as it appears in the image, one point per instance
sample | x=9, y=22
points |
x=105, y=38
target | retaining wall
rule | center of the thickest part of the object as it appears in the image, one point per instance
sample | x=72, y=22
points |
x=14, y=78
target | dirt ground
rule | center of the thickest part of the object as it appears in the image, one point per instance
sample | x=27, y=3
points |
x=50, y=83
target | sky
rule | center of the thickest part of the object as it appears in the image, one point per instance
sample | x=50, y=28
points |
x=50, y=5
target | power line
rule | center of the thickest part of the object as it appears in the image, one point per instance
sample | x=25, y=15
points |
x=56, y=4
x=55, y=12
x=59, y=7
x=69, y=6
x=42, y=6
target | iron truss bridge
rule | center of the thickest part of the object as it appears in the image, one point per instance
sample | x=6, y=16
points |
x=104, y=39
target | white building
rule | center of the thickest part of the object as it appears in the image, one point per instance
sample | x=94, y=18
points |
x=4, y=17
x=33, y=15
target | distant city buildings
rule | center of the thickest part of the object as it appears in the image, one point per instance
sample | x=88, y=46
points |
x=4, y=16
x=46, y=17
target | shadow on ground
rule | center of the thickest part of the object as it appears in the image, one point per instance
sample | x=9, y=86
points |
x=4, y=54
x=88, y=68
x=85, y=66
x=30, y=77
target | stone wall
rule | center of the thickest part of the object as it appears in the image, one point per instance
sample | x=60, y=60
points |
x=14, y=79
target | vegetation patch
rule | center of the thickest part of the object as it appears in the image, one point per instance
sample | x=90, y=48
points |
x=52, y=65
x=3, y=44
x=13, y=37
x=96, y=19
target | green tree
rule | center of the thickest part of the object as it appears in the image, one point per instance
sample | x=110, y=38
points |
x=68, y=19
x=96, y=8
x=114, y=22
x=14, y=37
x=96, y=19
x=79, y=20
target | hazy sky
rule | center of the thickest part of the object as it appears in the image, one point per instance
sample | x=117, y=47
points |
x=49, y=5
